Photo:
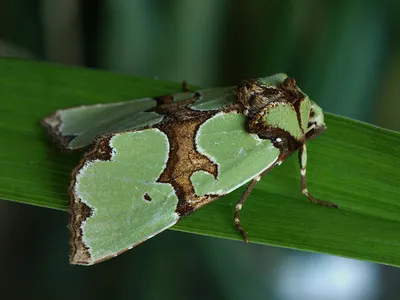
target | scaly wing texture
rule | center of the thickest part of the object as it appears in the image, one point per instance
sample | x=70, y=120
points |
x=240, y=156
x=127, y=205
x=216, y=98
x=76, y=127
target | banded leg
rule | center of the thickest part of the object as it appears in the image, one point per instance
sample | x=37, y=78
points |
x=303, y=168
x=239, y=205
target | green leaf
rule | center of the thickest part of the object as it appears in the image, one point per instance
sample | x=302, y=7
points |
x=353, y=164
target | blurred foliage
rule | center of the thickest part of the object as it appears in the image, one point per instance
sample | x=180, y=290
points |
x=345, y=54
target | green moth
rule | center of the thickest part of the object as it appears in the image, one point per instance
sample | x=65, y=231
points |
x=156, y=160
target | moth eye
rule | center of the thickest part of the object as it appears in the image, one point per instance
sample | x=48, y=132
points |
x=311, y=120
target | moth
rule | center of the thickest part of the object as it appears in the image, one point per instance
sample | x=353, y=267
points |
x=153, y=161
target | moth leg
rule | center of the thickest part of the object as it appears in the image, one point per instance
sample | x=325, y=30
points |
x=240, y=204
x=304, y=190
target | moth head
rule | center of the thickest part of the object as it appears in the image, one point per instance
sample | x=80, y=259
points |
x=316, y=123
x=273, y=106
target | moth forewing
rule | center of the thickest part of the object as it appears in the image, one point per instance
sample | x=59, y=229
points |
x=137, y=158
x=156, y=160
x=76, y=127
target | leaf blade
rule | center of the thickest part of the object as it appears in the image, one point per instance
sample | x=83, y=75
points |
x=353, y=164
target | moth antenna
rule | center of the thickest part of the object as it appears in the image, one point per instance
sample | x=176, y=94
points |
x=185, y=86
x=303, y=169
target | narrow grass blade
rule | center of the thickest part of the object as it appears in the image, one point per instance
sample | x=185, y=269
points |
x=353, y=164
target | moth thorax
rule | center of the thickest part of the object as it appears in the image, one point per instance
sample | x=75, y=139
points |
x=256, y=121
x=278, y=122
x=254, y=98
x=260, y=125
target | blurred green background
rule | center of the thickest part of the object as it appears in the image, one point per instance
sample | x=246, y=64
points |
x=344, y=54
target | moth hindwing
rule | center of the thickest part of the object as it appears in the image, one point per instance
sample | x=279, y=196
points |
x=156, y=160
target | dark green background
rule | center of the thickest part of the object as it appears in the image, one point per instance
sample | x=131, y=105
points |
x=345, y=54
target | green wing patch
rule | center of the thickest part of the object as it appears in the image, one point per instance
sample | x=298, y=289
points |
x=216, y=98
x=128, y=205
x=76, y=127
x=240, y=156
